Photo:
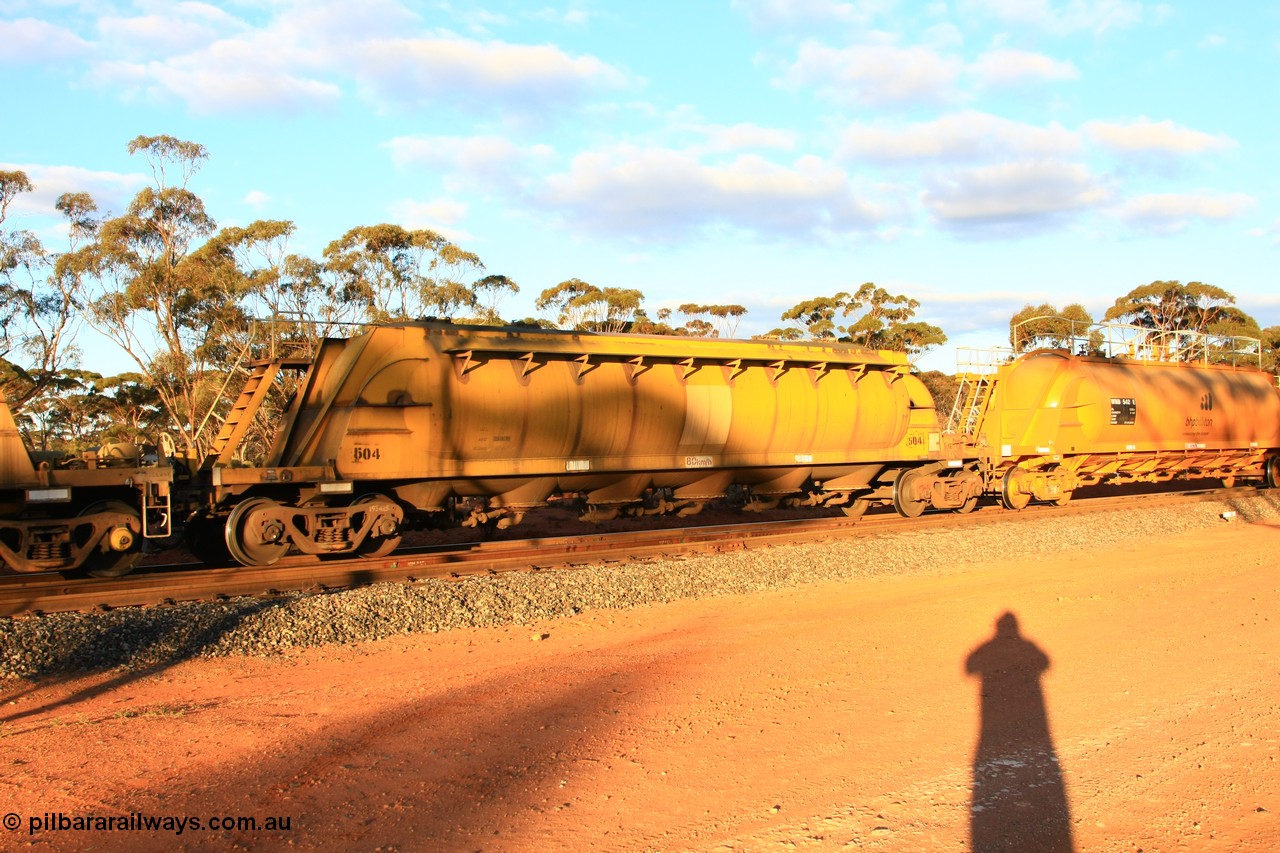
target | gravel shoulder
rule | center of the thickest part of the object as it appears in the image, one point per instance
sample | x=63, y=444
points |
x=848, y=695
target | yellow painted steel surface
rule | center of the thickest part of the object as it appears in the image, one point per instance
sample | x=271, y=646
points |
x=1051, y=404
x=520, y=415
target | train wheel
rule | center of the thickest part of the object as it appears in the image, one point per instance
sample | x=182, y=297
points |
x=904, y=501
x=856, y=508
x=1273, y=472
x=1011, y=493
x=125, y=546
x=968, y=506
x=252, y=536
x=379, y=542
x=1062, y=499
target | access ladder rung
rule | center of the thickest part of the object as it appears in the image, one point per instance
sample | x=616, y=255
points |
x=242, y=411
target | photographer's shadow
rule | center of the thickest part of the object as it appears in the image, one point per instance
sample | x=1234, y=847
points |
x=1019, y=799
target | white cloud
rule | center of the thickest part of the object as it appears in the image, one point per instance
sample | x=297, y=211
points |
x=31, y=40
x=1060, y=18
x=665, y=193
x=473, y=73
x=230, y=77
x=333, y=25
x=1146, y=136
x=565, y=17
x=439, y=215
x=1005, y=67
x=473, y=153
x=1270, y=233
x=743, y=136
x=958, y=137
x=111, y=190
x=881, y=74
x=945, y=34
x=1167, y=213
x=1015, y=193
x=257, y=199
x=174, y=29
x=471, y=163
x=483, y=22
x=308, y=55
x=769, y=14
x=875, y=74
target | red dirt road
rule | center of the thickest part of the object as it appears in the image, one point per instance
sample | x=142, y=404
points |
x=826, y=717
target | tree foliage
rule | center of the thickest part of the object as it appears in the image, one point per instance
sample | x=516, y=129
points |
x=577, y=304
x=39, y=306
x=489, y=293
x=1046, y=327
x=174, y=307
x=1171, y=306
x=1171, y=310
x=881, y=320
x=943, y=387
x=1270, y=337
x=711, y=321
x=393, y=273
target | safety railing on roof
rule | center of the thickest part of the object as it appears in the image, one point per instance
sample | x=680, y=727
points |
x=1121, y=340
x=975, y=361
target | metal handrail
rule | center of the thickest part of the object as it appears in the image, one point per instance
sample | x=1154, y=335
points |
x=1123, y=340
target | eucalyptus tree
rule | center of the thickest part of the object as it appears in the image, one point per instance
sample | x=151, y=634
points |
x=255, y=259
x=174, y=305
x=1045, y=326
x=302, y=304
x=393, y=273
x=489, y=293
x=881, y=320
x=814, y=319
x=712, y=321
x=580, y=305
x=66, y=415
x=132, y=405
x=568, y=304
x=658, y=324
x=1270, y=337
x=39, y=305
x=615, y=309
x=1171, y=306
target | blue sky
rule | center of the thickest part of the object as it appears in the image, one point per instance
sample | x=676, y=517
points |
x=974, y=154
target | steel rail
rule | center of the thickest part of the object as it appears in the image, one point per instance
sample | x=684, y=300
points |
x=51, y=593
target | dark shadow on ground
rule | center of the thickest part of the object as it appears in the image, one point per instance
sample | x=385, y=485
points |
x=475, y=768
x=1019, y=799
x=134, y=645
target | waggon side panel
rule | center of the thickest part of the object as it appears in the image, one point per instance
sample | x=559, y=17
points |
x=420, y=402
x=1049, y=406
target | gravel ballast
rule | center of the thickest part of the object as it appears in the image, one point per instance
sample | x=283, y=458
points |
x=155, y=637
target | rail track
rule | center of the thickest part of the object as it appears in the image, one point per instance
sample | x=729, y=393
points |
x=35, y=594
